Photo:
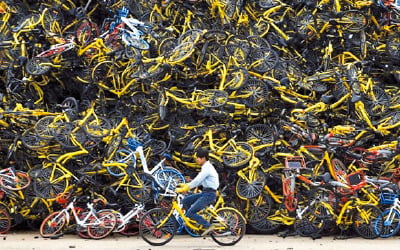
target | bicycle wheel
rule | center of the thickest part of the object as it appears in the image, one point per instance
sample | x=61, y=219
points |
x=38, y=66
x=236, y=156
x=364, y=219
x=70, y=105
x=132, y=40
x=309, y=225
x=169, y=178
x=236, y=78
x=5, y=221
x=152, y=232
x=82, y=231
x=233, y=227
x=353, y=20
x=260, y=208
x=251, y=188
x=213, y=98
x=139, y=192
x=101, y=226
x=86, y=32
x=53, y=224
x=44, y=127
x=97, y=127
x=393, y=46
x=18, y=182
x=260, y=131
x=263, y=61
x=181, y=52
x=257, y=92
x=49, y=181
x=388, y=223
x=378, y=104
x=339, y=170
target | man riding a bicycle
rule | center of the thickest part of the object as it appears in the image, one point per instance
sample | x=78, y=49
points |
x=208, y=179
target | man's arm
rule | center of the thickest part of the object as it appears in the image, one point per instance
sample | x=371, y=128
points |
x=198, y=179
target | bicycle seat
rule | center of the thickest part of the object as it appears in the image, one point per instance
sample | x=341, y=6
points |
x=328, y=99
x=326, y=177
x=355, y=98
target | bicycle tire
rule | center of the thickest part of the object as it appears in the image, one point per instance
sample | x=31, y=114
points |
x=236, y=227
x=133, y=41
x=339, y=170
x=246, y=190
x=260, y=208
x=393, y=46
x=377, y=105
x=363, y=228
x=262, y=61
x=353, y=20
x=108, y=221
x=38, y=66
x=169, y=178
x=148, y=227
x=53, y=224
x=44, y=127
x=30, y=140
x=97, y=127
x=385, y=230
x=21, y=181
x=236, y=78
x=5, y=221
x=70, y=105
x=258, y=93
x=213, y=98
x=86, y=32
x=181, y=52
x=260, y=131
x=141, y=194
x=44, y=187
x=81, y=230
x=237, y=156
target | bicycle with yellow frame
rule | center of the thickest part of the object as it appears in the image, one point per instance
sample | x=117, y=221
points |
x=158, y=226
x=232, y=153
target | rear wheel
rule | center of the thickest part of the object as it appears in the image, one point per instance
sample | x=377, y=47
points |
x=52, y=224
x=5, y=221
x=387, y=224
x=18, y=182
x=364, y=219
x=152, y=232
x=237, y=155
x=233, y=227
x=102, y=226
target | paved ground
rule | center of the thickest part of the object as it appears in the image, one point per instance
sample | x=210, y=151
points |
x=32, y=241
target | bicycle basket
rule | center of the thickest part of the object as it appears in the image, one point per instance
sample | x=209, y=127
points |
x=295, y=163
x=356, y=180
x=387, y=198
x=134, y=144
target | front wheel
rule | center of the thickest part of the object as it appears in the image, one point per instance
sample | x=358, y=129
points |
x=18, y=182
x=364, y=220
x=237, y=155
x=102, y=226
x=232, y=229
x=53, y=224
x=155, y=228
x=387, y=224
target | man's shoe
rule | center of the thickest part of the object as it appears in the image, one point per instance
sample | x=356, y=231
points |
x=212, y=227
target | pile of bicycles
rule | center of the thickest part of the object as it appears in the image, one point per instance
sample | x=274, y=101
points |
x=297, y=102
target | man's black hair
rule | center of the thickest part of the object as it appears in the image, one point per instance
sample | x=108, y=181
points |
x=202, y=153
